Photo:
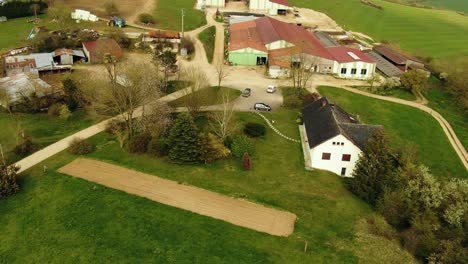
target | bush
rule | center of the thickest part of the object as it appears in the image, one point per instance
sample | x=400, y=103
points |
x=292, y=101
x=25, y=148
x=158, y=147
x=8, y=185
x=242, y=144
x=59, y=110
x=187, y=43
x=80, y=147
x=254, y=129
x=246, y=162
x=120, y=37
x=213, y=148
x=139, y=143
x=146, y=18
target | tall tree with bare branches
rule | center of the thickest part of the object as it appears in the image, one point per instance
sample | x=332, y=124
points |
x=302, y=69
x=222, y=122
x=194, y=99
x=221, y=72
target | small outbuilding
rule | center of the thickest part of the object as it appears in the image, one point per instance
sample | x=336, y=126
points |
x=68, y=56
x=22, y=84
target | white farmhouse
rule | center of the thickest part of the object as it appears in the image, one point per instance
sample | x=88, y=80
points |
x=334, y=137
x=272, y=7
x=202, y=4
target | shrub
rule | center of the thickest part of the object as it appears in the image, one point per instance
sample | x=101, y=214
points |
x=146, y=18
x=119, y=36
x=59, y=110
x=158, y=147
x=213, y=148
x=80, y=147
x=310, y=98
x=246, y=162
x=25, y=148
x=187, y=43
x=8, y=185
x=242, y=144
x=139, y=143
x=292, y=101
x=254, y=129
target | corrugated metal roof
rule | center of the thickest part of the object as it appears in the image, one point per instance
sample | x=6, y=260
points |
x=384, y=65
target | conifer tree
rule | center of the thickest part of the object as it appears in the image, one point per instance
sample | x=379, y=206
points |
x=373, y=170
x=184, y=141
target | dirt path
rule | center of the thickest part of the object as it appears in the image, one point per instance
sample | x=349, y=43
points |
x=197, y=200
x=148, y=7
x=447, y=128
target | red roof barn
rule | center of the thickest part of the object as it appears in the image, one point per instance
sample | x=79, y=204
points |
x=95, y=50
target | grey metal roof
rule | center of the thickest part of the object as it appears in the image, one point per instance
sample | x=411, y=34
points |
x=384, y=66
x=23, y=84
x=239, y=19
x=326, y=40
x=324, y=120
x=43, y=60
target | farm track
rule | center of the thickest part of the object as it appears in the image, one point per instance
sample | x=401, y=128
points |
x=235, y=211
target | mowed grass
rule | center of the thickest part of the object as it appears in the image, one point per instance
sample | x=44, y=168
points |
x=168, y=15
x=444, y=103
x=43, y=129
x=405, y=125
x=458, y=5
x=208, y=38
x=57, y=218
x=15, y=31
x=424, y=32
x=209, y=96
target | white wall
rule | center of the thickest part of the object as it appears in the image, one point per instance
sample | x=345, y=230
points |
x=205, y=3
x=358, y=65
x=277, y=71
x=266, y=6
x=335, y=164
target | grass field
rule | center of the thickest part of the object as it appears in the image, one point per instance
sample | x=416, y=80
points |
x=208, y=37
x=425, y=32
x=168, y=15
x=57, y=218
x=404, y=125
x=444, y=103
x=43, y=129
x=15, y=31
x=392, y=92
x=210, y=96
x=457, y=5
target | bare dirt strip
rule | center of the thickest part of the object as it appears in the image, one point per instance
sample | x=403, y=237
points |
x=197, y=200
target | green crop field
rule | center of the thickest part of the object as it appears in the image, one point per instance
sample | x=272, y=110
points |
x=425, y=32
x=168, y=15
x=56, y=218
x=404, y=124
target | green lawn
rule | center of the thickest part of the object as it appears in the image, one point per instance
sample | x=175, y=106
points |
x=57, y=218
x=458, y=5
x=444, y=103
x=208, y=38
x=43, y=129
x=169, y=16
x=210, y=96
x=15, y=31
x=392, y=92
x=425, y=32
x=404, y=125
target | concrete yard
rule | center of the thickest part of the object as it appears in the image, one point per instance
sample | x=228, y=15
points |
x=235, y=211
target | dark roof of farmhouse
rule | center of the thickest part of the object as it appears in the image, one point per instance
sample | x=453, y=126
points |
x=323, y=120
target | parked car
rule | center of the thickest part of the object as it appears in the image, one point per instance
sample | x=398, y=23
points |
x=262, y=107
x=247, y=92
x=271, y=89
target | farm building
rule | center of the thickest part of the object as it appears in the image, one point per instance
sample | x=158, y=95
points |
x=22, y=84
x=272, y=7
x=68, y=56
x=164, y=36
x=402, y=61
x=35, y=63
x=201, y=4
x=95, y=50
x=333, y=138
x=266, y=41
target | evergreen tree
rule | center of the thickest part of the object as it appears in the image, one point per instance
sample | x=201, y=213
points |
x=184, y=141
x=373, y=170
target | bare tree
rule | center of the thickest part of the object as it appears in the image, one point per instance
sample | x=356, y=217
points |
x=35, y=8
x=222, y=122
x=129, y=88
x=302, y=69
x=221, y=72
x=156, y=119
x=194, y=99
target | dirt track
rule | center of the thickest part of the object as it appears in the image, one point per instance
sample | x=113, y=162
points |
x=197, y=200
